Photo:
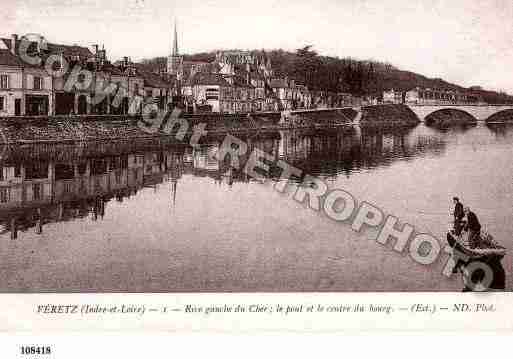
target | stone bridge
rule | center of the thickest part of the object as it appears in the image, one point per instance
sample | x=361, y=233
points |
x=479, y=112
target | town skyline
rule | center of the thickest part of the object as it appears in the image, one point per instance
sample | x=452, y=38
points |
x=472, y=36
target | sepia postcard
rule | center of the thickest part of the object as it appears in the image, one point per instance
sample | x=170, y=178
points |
x=227, y=166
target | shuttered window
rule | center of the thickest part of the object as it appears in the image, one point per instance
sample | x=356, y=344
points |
x=4, y=81
x=38, y=83
x=4, y=195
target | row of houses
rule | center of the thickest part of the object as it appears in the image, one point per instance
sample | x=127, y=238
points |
x=77, y=80
x=72, y=79
x=430, y=96
x=240, y=81
x=89, y=83
x=236, y=82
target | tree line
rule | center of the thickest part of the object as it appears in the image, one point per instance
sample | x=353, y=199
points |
x=348, y=75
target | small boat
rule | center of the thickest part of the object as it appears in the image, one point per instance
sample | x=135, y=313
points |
x=488, y=249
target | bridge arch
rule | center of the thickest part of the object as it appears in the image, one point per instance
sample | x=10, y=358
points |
x=444, y=117
x=501, y=116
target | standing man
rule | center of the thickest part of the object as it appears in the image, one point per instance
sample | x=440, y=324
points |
x=473, y=227
x=458, y=215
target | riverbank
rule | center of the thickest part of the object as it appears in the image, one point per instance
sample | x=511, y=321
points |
x=57, y=129
x=318, y=117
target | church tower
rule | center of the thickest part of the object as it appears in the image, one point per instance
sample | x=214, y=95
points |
x=175, y=61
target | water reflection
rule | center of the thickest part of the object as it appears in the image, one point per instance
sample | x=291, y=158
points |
x=161, y=216
x=502, y=130
x=328, y=154
x=41, y=184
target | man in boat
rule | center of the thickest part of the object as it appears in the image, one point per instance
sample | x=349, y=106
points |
x=473, y=227
x=458, y=215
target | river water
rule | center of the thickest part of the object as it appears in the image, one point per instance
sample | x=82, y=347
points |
x=166, y=218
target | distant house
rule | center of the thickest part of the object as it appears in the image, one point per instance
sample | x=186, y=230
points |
x=125, y=75
x=192, y=67
x=12, y=94
x=75, y=99
x=393, y=96
x=242, y=94
x=209, y=89
x=257, y=80
x=303, y=96
x=79, y=82
x=236, y=57
x=157, y=90
x=434, y=96
x=284, y=92
x=25, y=89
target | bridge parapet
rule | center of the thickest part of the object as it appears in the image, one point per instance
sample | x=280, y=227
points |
x=478, y=111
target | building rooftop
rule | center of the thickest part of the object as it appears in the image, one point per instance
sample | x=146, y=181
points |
x=279, y=83
x=6, y=58
x=113, y=70
x=67, y=50
x=241, y=81
x=153, y=80
x=208, y=78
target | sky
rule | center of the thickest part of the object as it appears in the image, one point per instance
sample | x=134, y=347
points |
x=468, y=42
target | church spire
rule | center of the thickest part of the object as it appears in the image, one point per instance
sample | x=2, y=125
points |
x=175, y=42
x=175, y=61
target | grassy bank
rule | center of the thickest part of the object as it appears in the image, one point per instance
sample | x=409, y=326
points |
x=320, y=118
x=93, y=128
x=450, y=118
x=388, y=116
x=501, y=117
x=70, y=130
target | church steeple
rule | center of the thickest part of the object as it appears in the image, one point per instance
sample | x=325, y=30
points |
x=175, y=61
x=175, y=43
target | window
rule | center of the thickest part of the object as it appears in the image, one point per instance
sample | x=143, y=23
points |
x=212, y=94
x=2, y=104
x=68, y=187
x=82, y=186
x=38, y=83
x=4, y=81
x=4, y=195
x=36, y=189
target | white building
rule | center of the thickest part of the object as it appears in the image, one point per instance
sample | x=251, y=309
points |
x=393, y=96
x=25, y=89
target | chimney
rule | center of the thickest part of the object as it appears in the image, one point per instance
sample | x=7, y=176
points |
x=102, y=55
x=14, y=40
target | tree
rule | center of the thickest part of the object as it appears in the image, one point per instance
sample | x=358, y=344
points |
x=306, y=66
